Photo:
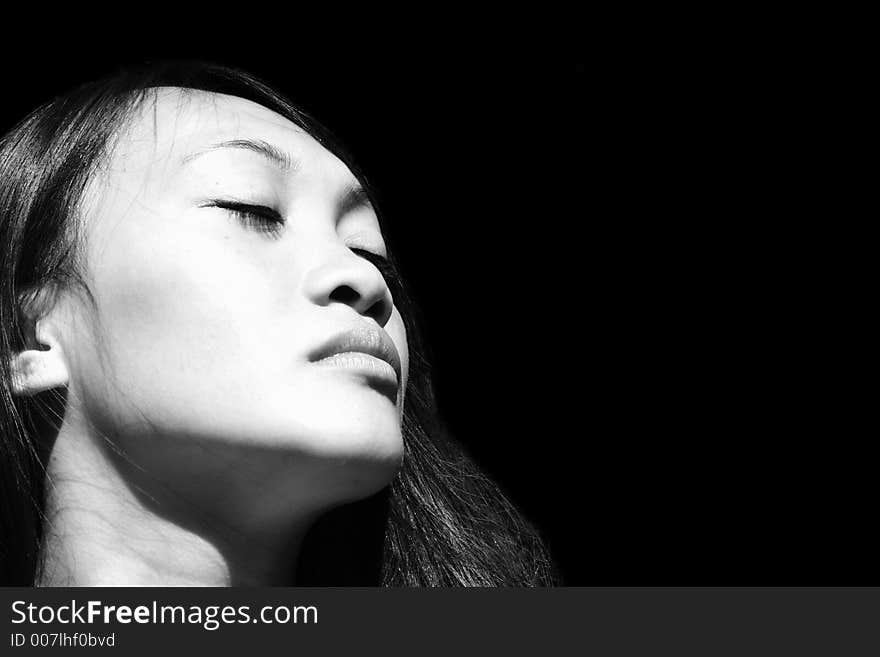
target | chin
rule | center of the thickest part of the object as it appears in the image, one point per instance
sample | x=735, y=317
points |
x=362, y=462
x=340, y=451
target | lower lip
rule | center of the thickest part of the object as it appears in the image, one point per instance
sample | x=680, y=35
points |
x=362, y=363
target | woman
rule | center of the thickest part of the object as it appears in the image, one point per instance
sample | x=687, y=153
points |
x=210, y=370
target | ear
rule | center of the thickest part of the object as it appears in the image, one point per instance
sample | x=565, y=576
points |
x=35, y=370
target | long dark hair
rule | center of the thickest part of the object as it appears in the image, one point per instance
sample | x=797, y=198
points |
x=441, y=522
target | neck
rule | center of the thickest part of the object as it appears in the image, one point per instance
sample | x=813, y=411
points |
x=104, y=528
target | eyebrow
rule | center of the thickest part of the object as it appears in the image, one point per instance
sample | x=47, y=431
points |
x=272, y=153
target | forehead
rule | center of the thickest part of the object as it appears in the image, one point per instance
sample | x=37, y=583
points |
x=175, y=123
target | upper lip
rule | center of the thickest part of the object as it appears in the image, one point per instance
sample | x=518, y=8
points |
x=365, y=339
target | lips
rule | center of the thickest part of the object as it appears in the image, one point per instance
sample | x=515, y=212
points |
x=361, y=339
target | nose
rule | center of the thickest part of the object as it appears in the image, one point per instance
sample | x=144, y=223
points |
x=350, y=279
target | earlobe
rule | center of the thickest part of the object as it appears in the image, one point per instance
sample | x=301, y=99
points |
x=41, y=364
x=34, y=371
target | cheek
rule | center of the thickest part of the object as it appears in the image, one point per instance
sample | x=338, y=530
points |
x=182, y=319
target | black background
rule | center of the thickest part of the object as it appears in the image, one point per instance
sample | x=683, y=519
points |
x=611, y=326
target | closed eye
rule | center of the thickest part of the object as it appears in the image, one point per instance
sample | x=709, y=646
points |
x=260, y=217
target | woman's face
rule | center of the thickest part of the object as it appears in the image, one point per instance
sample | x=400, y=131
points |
x=243, y=339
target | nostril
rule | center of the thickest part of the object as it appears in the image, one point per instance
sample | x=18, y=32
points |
x=370, y=306
x=345, y=294
x=379, y=311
